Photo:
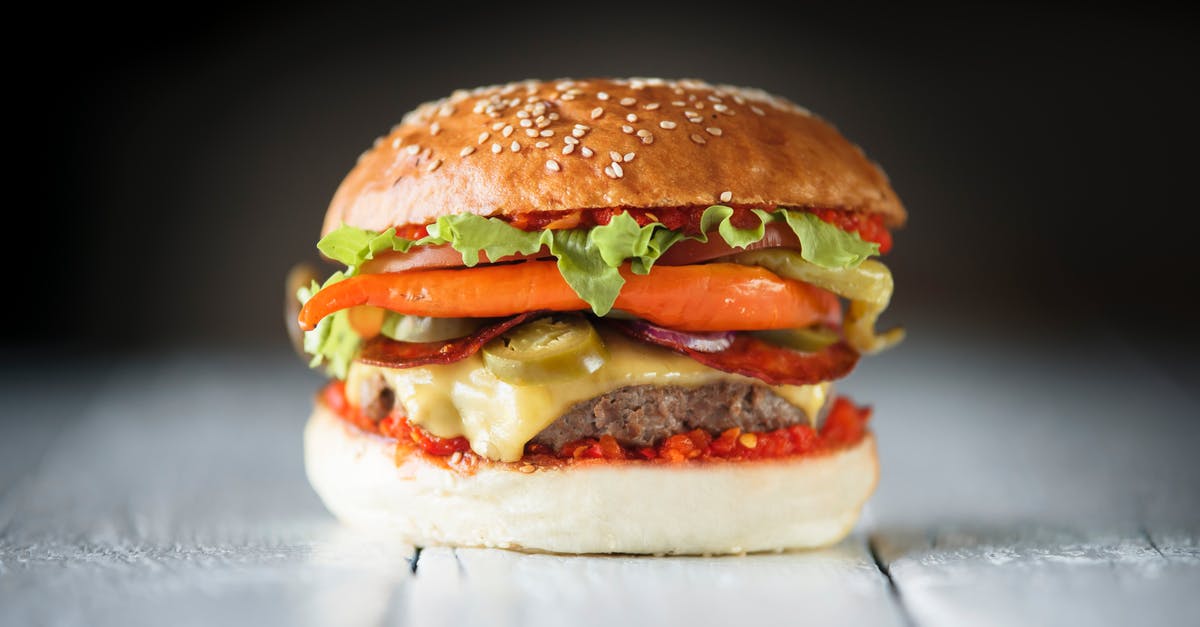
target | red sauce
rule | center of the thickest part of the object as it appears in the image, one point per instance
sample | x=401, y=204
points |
x=845, y=426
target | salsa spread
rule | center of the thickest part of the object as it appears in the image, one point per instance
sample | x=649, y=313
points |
x=845, y=426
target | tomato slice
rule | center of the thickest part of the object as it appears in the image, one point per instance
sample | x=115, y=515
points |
x=690, y=251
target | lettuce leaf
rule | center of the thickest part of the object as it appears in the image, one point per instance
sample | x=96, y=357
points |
x=584, y=268
x=333, y=342
x=825, y=245
x=352, y=246
x=468, y=234
x=588, y=259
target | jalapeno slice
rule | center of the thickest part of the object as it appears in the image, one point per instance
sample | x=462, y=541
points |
x=546, y=350
x=425, y=329
x=807, y=340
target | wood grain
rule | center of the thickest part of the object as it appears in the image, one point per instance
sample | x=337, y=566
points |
x=146, y=511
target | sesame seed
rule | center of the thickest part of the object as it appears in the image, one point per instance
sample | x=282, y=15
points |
x=531, y=132
x=712, y=130
x=643, y=132
x=714, y=98
x=652, y=106
x=616, y=168
x=570, y=140
x=553, y=116
x=515, y=146
x=631, y=117
x=583, y=127
x=435, y=128
x=726, y=196
x=497, y=126
x=667, y=124
x=483, y=137
x=433, y=165
x=542, y=145
x=496, y=148
x=720, y=108
x=552, y=165
x=628, y=102
x=526, y=123
x=578, y=132
x=614, y=155
x=522, y=114
x=597, y=112
x=628, y=157
x=396, y=144
x=757, y=110
x=568, y=149
x=527, y=468
x=466, y=151
x=609, y=171
x=508, y=130
x=547, y=133
x=679, y=103
x=543, y=123
x=696, y=120
x=585, y=151
x=648, y=139
x=699, y=105
x=698, y=139
x=413, y=149
x=456, y=457
x=627, y=129
x=602, y=95
x=689, y=113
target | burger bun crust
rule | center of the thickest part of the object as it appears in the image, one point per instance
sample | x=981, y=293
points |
x=564, y=145
x=602, y=507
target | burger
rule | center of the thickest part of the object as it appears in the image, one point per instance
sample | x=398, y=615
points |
x=600, y=316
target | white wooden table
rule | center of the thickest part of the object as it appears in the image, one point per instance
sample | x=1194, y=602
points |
x=1039, y=483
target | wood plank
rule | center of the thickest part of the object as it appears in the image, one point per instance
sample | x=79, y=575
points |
x=1037, y=576
x=839, y=585
x=1070, y=434
x=1177, y=544
x=1015, y=488
x=180, y=496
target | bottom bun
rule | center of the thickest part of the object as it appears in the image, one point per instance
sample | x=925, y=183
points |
x=601, y=507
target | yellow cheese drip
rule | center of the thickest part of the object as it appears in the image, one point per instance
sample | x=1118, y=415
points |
x=498, y=418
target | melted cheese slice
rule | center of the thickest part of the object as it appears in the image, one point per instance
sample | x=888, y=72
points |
x=498, y=418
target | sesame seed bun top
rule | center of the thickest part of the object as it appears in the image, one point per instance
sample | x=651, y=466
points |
x=597, y=143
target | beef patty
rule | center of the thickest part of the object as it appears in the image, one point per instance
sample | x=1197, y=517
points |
x=643, y=415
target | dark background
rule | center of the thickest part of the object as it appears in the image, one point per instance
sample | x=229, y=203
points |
x=177, y=169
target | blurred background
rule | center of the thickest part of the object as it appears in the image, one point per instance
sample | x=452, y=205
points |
x=175, y=172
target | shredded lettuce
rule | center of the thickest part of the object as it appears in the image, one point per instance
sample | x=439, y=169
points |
x=588, y=259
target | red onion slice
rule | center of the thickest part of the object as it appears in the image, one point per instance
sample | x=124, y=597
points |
x=711, y=342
